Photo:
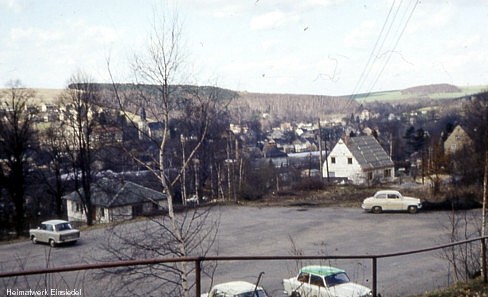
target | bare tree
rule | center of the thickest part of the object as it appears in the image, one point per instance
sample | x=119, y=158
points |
x=16, y=137
x=475, y=122
x=184, y=115
x=464, y=260
x=79, y=121
x=52, y=146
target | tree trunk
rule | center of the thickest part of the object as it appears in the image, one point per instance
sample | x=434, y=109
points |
x=483, y=221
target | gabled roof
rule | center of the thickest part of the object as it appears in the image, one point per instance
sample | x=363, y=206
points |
x=368, y=152
x=113, y=193
x=459, y=131
x=274, y=152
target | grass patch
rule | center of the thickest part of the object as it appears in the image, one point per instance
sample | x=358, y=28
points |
x=474, y=288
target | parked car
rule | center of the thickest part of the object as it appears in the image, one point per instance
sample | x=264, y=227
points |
x=323, y=281
x=236, y=289
x=54, y=232
x=193, y=200
x=390, y=200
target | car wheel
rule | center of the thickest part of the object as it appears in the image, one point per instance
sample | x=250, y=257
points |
x=295, y=294
x=376, y=209
x=52, y=243
x=412, y=209
x=33, y=239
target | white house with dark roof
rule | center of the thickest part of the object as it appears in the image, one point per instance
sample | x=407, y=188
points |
x=115, y=200
x=361, y=160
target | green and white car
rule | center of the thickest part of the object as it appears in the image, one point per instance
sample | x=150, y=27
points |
x=54, y=232
x=323, y=281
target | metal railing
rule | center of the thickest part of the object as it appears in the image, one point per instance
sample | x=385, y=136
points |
x=199, y=260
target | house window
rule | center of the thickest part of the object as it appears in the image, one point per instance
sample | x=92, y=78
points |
x=370, y=175
x=332, y=160
x=102, y=212
x=387, y=173
x=349, y=160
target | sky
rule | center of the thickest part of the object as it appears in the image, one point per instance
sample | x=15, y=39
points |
x=321, y=47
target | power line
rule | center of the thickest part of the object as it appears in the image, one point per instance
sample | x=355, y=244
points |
x=367, y=66
x=383, y=37
x=394, y=47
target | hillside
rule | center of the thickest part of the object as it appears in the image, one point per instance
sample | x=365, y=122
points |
x=418, y=94
x=430, y=90
x=293, y=107
x=246, y=105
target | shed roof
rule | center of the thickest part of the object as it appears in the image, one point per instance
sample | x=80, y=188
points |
x=368, y=152
x=112, y=193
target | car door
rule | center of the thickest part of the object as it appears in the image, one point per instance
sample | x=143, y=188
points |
x=41, y=233
x=304, y=287
x=394, y=202
x=49, y=232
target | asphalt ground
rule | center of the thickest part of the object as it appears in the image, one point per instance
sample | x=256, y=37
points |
x=285, y=231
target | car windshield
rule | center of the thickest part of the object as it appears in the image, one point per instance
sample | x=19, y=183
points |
x=63, y=226
x=336, y=279
x=257, y=293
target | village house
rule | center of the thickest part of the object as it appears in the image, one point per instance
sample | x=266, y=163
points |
x=116, y=200
x=105, y=135
x=360, y=160
x=457, y=140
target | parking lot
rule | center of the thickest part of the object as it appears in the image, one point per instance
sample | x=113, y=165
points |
x=284, y=231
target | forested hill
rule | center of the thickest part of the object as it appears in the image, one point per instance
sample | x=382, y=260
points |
x=247, y=105
x=292, y=107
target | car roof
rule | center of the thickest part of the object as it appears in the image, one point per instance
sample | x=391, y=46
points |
x=321, y=270
x=55, y=222
x=387, y=192
x=236, y=287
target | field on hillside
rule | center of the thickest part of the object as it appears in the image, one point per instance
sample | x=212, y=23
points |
x=47, y=95
x=396, y=95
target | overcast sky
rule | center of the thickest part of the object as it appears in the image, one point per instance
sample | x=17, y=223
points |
x=330, y=47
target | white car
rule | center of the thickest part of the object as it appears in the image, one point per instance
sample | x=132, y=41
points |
x=236, y=289
x=390, y=200
x=323, y=281
x=54, y=232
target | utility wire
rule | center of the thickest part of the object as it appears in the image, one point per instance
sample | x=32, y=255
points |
x=375, y=53
x=367, y=66
x=393, y=49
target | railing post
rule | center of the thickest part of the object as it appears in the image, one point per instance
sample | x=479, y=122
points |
x=484, y=272
x=198, y=279
x=375, y=275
